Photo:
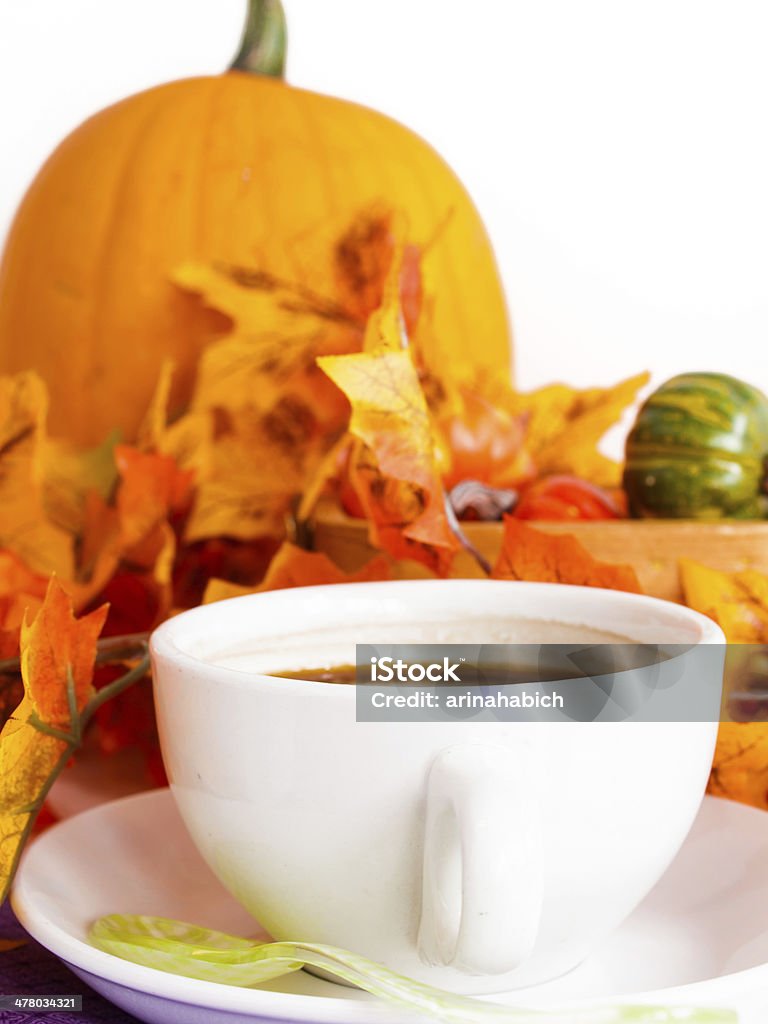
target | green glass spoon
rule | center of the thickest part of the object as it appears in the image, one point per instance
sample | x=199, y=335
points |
x=195, y=952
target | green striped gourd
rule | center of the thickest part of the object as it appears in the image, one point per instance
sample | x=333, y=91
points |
x=698, y=450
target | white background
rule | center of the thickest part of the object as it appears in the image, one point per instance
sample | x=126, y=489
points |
x=617, y=150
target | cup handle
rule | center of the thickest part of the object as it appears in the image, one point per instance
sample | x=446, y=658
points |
x=482, y=884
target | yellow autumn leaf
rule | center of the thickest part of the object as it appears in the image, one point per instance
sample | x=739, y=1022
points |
x=70, y=474
x=394, y=471
x=254, y=474
x=57, y=658
x=262, y=414
x=188, y=440
x=278, y=330
x=153, y=427
x=324, y=474
x=737, y=601
x=566, y=425
x=24, y=525
x=740, y=768
x=272, y=413
x=386, y=330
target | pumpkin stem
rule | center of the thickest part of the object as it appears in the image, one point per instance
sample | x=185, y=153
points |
x=262, y=49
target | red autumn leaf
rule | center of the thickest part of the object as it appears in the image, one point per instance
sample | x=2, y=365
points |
x=137, y=602
x=224, y=558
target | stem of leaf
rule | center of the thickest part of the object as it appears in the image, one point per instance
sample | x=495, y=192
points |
x=108, y=651
x=107, y=693
x=74, y=717
x=462, y=538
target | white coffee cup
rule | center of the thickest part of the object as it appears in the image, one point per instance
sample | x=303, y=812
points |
x=477, y=856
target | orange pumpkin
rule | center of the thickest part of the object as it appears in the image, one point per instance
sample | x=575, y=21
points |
x=239, y=169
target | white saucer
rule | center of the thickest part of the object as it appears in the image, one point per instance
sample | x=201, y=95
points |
x=701, y=937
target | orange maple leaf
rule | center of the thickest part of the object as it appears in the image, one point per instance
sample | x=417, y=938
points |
x=134, y=534
x=152, y=488
x=54, y=646
x=530, y=554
